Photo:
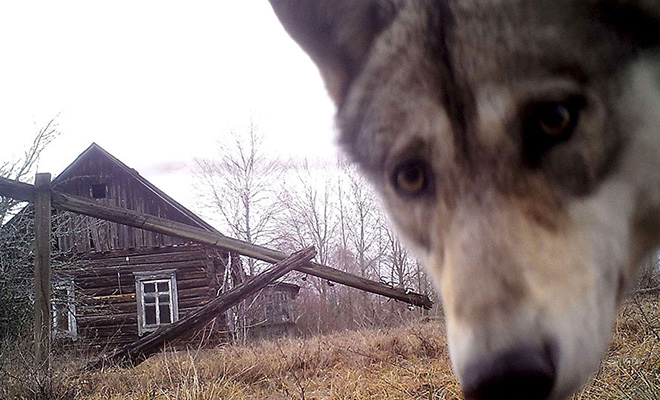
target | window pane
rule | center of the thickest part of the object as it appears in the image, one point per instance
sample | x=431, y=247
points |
x=165, y=314
x=164, y=298
x=149, y=287
x=149, y=299
x=163, y=286
x=149, y=315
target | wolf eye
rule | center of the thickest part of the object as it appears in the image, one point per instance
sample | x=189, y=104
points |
x=411, y=178
x=547, y=124
x=554, y=119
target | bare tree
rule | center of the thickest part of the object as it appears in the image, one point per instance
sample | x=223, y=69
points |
x=366, y=227
x=16, y=239
x=240, y=185
x=290, y=206
x=310, y=218
x=309, y=215
x=23, y=168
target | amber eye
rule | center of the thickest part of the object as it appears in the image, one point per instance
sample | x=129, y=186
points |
x=411, y=178
x=554, y=119
x=547, y=124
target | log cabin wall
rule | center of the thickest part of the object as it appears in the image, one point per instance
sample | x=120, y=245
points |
x=106, y=304
x=106, y=261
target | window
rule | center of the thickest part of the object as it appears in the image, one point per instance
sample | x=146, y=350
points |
x=63, y=304
x=157, y=302
x=99, y=191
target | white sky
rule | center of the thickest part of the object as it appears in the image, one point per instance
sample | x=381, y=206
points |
x=156, y=83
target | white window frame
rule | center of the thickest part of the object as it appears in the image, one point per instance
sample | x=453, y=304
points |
x=169, y=276
x=65, y=284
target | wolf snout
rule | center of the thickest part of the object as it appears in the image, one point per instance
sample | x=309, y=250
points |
x=526, y=373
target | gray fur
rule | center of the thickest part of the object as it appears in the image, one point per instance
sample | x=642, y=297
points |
x=530, y=238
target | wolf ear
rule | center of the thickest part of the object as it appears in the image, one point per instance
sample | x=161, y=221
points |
x=636, y=20
x=337, y=34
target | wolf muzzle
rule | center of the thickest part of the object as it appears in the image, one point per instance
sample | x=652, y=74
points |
x=525, y=373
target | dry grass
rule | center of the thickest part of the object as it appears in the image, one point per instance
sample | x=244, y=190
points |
x=402, y=363
x=631, y=369
x=405, y=363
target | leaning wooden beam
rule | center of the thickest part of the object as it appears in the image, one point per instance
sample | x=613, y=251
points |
x=167, y=227
x=145, y=346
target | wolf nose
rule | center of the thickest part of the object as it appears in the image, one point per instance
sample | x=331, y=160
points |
x=523, y=374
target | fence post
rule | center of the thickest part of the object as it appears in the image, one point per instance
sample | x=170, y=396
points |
x=42, y=281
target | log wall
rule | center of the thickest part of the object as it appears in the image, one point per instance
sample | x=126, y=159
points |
x=106, y=309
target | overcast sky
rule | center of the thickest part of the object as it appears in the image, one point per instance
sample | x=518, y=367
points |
x=156, y=83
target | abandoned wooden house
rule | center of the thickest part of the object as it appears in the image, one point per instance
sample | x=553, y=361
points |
x=118, y=283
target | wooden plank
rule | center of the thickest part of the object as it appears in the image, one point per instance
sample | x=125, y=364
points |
x=192, y=283
x=191, y=278
x=42, y=277
x=112, y=275
x=147, y=255
x=106, y=291
x=105, y=319
x=130, y=306
x=85, y=272
x=148, y=344
x=110, y=331
x=200, y=293
x=116, y=298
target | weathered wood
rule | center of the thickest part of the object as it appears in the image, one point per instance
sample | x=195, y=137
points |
x=147, y=222
x=110, y=299
x=192, y=283
x=105, y=319
x=192, y=293
x=149, y=254
x=168, y=227
x=129, y=332
x=16, y=190
x=42, y=275
x=92, y=271
x=99, y=177
x=124, y=306
x=124, y=275
x=145, y=346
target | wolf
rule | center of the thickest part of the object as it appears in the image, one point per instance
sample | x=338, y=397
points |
x=516, y=147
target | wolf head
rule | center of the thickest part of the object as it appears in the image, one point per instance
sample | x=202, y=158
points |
x=516, y=146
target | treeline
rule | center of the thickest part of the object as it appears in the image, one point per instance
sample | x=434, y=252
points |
x=290, y=205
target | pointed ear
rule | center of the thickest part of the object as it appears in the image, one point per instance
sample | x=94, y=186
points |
x=337, y=34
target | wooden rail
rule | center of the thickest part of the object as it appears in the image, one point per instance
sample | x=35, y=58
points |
x=132, y=218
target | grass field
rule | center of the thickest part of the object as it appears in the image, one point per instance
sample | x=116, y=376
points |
x=405, y=363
